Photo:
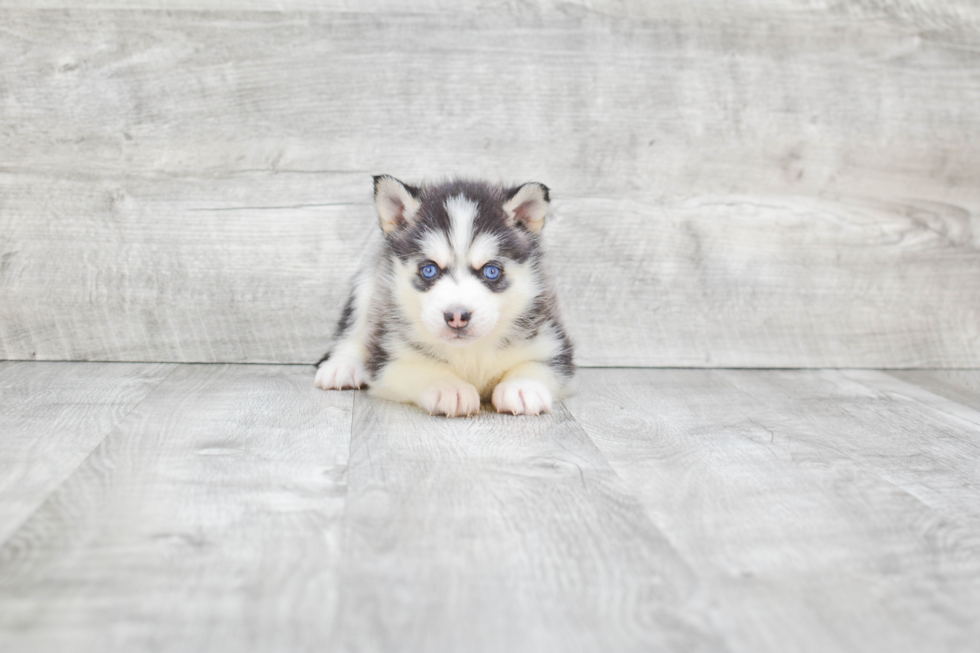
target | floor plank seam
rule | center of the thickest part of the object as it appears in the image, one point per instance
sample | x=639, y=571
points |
x=627, y=487
x=937, y=401
x=54, y=490
x=336, y=625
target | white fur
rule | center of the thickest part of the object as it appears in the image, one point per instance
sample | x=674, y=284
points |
x=482, y=251
x=341, y=372
x=461, y=212
x=465, y=294
x=522, y=397
x=452, y=399
x=437, y=249
x=353, y=345
x=483, y=364
x=480, y=362
x=345, y=367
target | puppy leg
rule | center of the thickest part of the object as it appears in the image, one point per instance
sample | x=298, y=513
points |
x=527, y=389
x=344, y=366
x=343, y=369
x=428, y=384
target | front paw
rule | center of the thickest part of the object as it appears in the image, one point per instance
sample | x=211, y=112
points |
x=337, y=373
x=522, y=397
x=452, y=399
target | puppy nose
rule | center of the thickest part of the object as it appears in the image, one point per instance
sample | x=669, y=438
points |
x=457, y=318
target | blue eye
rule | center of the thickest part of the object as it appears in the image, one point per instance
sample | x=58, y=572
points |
x=429, y=271
x=491, y=272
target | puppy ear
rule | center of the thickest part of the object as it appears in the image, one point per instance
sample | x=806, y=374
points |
x=528, y=205
x=397, y=203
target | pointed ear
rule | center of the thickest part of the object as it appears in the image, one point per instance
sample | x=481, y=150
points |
x=397, y=203
x=528, y=204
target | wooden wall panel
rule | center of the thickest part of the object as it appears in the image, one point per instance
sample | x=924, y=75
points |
x=775, y=184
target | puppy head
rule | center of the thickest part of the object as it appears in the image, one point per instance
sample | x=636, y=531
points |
x=464, y=255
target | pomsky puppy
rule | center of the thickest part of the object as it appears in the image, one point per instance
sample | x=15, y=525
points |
x=454, y=305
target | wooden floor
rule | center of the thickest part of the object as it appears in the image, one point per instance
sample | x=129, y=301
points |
x=235, y=508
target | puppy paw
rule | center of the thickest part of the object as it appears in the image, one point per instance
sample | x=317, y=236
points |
x=522, y=397
x=452, y=400
x=337, y=373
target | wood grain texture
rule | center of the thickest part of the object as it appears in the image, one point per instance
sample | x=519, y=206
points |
x=961, y=386
x=235, y=508
x=206, y=270
x=933, y=13
x=789, y=282
x=208, y=520
x=52, y=415
x=774, y=184
x=502, y=534
x=823, y=510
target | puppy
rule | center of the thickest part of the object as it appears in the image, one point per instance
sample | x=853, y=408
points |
x=454, y=304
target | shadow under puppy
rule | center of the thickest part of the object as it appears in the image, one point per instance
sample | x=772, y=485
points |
x=454, y=305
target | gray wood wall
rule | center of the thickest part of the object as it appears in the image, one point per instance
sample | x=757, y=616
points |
x=746, y=183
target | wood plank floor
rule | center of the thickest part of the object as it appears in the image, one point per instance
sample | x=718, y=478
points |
x=234, y=507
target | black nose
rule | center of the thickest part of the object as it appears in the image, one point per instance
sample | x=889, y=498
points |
x=457, y=319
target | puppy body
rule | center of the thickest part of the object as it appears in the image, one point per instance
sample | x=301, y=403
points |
x=454, y=305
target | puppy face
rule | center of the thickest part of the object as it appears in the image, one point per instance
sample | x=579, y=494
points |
x=464, y=255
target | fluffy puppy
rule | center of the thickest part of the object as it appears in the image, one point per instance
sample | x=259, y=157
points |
x=454, y=304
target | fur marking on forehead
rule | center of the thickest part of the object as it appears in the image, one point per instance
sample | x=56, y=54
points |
x=436, y=248
x=483, y=250
x=462, y=212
